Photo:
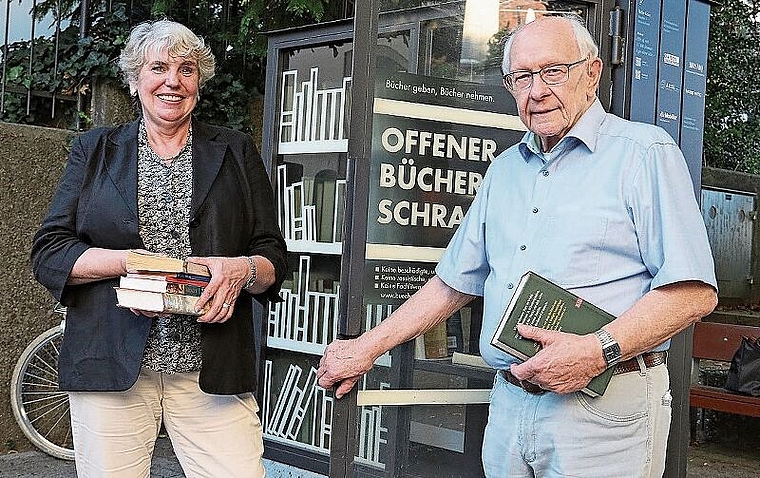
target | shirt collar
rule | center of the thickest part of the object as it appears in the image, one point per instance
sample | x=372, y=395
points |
x=586, y=130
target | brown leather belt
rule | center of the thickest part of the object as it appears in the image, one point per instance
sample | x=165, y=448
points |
x=651, y=359
x=529, y=387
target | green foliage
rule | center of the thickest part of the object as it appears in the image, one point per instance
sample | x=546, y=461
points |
x=732, y=110
x=236, y=32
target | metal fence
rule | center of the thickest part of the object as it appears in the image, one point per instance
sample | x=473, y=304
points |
x=22, y=24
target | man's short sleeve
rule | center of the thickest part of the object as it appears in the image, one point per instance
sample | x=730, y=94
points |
x=464, y=265
x=672, y=236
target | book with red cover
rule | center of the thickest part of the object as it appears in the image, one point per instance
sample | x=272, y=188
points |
x=162, y=283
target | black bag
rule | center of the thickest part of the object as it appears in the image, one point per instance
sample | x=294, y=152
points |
x=744, y=374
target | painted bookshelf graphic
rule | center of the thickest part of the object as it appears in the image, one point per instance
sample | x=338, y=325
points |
x=376, y=313
x=302, y=403
x=307, y=318
x=312, y=120
x=310, y=212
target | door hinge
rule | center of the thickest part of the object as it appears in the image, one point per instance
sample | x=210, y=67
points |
x=616, y=35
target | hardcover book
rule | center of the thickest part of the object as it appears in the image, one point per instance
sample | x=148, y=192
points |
x=138, y=261
x=161, y=302
x=162, y=283
x=541, y=303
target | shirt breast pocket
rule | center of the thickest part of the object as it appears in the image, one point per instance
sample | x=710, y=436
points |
x=573, y=249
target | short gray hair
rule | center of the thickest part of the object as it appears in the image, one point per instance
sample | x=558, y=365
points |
x=178, y=40
x=586, y=44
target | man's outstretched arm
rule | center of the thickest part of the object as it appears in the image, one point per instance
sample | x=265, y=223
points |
x=345, y=361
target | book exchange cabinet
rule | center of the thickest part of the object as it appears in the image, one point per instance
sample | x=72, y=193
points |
x=377, y=132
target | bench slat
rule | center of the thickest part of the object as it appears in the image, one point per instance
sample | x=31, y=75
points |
x=716, y=341
x=714, y=398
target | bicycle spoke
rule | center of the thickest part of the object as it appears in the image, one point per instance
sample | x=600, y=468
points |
x=45, y=417
x=41, y=409
x=47, y=364
x=50, y=382
x=46, y=400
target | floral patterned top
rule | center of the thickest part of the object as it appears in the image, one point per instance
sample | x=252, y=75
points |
x=164, y=191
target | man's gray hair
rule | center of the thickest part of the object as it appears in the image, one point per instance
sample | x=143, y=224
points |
x=586, y=44
x=176, y=38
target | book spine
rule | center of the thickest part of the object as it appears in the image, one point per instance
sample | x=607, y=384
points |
x=178, y=280
x=184, y=289
x=436, y=342
x=454, y=336
x=192, y=277
x=195, y=269
x=180, y=304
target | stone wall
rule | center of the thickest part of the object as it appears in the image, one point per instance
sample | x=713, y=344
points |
x=31, y=162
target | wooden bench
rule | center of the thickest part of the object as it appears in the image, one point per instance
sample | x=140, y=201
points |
x=719, y=342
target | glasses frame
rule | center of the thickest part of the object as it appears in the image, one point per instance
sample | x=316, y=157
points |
x=506, y=78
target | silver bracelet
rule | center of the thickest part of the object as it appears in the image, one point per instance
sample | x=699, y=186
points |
x=252, y=278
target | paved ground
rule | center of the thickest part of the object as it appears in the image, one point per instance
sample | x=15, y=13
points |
x=716, y=461
x=707, y=461
x=36, y=464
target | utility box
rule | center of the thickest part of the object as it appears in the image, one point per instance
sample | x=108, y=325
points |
x=729, y=208
x=730, y=219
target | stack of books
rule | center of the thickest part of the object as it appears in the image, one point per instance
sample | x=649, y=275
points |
x=157, y=283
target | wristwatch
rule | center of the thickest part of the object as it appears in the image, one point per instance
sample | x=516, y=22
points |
x=610, y=347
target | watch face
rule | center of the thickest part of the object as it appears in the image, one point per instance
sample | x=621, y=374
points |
x=612, y=353
x=610, y=348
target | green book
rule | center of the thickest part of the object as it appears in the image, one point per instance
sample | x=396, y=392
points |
x=541, y=303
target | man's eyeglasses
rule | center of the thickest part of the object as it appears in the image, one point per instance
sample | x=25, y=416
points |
x=552, y=75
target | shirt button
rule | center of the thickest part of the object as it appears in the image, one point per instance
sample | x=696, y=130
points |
x=545, y=173
x=523, y=247
x=535, y=210
x=510, y=285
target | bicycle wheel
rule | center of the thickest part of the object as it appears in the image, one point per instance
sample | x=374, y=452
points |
x=40, y=408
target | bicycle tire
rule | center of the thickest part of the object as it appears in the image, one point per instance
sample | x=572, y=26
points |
x=41, y=409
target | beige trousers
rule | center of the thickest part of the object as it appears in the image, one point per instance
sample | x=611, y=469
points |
x=212, y=435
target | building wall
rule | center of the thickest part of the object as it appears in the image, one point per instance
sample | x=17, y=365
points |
x=31, y=161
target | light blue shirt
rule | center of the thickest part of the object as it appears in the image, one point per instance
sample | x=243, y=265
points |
x=609, y=214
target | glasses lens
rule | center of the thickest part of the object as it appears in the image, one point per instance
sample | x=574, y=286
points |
x=554, y=75
x=520, y=80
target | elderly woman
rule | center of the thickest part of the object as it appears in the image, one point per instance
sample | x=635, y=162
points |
x=171, y=185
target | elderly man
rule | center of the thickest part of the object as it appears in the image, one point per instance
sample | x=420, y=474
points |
x=605, y=208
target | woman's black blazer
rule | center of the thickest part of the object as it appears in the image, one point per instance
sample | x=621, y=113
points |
x=232, y=214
